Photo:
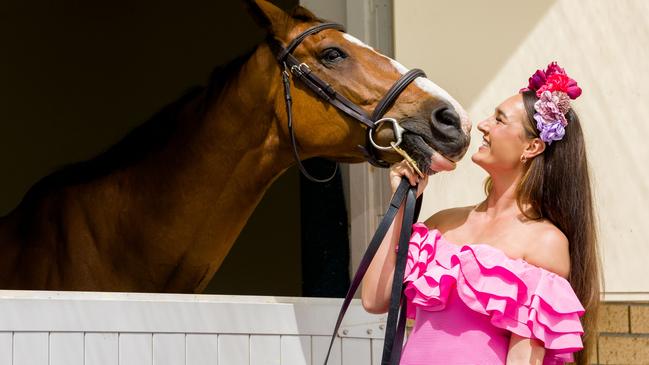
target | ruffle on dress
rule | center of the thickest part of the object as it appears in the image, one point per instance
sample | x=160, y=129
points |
x=524, y=299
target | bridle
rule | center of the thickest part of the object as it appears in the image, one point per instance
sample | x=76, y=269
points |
x=301, y=71
x=405, y=194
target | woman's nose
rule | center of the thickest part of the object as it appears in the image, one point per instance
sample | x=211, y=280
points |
x=483, y=126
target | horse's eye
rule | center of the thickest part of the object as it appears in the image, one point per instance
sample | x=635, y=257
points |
x=332, y=55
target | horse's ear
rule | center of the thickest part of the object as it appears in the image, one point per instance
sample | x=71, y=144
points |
x=268, y=16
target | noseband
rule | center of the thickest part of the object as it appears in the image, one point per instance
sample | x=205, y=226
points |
x=292, y=66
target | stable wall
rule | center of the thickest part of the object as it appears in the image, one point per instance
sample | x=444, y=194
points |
x=483, y=52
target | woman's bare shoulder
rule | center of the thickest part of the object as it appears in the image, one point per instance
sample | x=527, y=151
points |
x=448, y=217
x=549, y=249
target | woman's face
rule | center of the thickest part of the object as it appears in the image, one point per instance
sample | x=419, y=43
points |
x=504, y=138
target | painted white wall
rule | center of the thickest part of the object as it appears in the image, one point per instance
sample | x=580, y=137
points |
x=482, y=52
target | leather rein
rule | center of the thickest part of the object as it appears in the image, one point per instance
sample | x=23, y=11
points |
x=301, y=71
x=395, y=326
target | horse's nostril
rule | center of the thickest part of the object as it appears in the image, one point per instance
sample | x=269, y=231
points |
x=447, y=116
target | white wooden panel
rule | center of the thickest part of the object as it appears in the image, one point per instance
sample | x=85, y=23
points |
x=356, y=351
x=296, y=350
x=234, y=350
x=320, y=345
x=66, y=348
x=6, y=347
x=202, y=349
x=377, y=351
x=172, y=313
x=107, y=329
x=31, y=348
x=101, y=349
x=265, y=350
x=135, y=349
x=169, y=349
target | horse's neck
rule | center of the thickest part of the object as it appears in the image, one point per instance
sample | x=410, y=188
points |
x=225, y=160
x=174, y=215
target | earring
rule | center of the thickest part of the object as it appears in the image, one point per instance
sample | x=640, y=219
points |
x=523, y=159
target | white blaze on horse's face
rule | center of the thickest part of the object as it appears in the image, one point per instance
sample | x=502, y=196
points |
x=424, y=84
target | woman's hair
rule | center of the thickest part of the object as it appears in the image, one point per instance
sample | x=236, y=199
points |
x=556, y=186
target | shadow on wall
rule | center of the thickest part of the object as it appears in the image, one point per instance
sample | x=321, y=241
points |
x=76, y=76
x=460, y=35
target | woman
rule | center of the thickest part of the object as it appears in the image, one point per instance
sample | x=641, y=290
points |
x=514, y=279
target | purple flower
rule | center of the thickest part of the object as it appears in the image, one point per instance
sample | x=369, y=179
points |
x=549, y=131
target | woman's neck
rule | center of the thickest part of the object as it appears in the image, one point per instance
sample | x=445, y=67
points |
x=502, y=198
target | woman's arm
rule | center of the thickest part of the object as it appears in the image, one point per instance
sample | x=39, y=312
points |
x=551, y=253
x=377, y=283
x=523, y=350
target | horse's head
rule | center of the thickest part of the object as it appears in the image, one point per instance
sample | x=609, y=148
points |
x=433, y=120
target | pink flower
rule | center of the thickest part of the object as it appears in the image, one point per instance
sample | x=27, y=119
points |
x=552, y=106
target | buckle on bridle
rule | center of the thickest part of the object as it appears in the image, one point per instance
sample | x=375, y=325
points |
x=299, y=70
x=398, y=132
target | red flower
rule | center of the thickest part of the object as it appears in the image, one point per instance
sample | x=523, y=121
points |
x=553, y=68
x=560, y=82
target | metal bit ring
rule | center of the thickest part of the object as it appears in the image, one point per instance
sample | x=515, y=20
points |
x=398, y=132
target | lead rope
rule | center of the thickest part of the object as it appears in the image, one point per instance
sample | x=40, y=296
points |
x=395, y=326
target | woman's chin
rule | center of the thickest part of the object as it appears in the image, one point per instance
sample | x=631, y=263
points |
x=476, y=157
x=479, y=159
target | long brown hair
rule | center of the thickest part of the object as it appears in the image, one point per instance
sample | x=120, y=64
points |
x=556, y=186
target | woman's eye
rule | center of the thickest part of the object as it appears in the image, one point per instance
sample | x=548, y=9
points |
x=333, y=55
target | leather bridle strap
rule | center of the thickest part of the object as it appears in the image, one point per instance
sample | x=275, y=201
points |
x=313, y=30
x=396, y=318
x=326, y=91
x=289, y=115
x=395, y=91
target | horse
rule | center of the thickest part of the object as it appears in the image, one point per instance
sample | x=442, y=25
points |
x=159, y=210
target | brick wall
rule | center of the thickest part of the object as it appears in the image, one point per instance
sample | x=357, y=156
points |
x=623, y=334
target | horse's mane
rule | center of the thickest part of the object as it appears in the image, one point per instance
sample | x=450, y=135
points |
x=143, y=140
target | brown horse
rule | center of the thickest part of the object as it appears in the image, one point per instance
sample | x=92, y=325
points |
x=160, y=210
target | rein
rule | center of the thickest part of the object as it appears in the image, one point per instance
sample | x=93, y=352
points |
x=396, y=324
x=301, y=71
x=291, y=66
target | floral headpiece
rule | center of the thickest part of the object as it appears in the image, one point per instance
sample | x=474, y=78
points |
x=554, y=89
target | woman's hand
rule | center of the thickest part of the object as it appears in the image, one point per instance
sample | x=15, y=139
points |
x=403, y=168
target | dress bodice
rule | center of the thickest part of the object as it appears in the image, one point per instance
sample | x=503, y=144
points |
x=467, y=300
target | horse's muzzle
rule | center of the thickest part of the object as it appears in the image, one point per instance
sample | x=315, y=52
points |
x=447, y=133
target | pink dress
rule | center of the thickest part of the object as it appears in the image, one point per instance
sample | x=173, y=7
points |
x=467, y=300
